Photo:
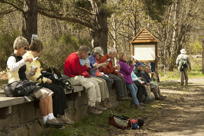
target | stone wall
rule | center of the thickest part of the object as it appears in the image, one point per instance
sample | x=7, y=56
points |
x=25, y=120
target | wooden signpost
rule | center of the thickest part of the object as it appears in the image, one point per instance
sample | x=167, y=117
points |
x=144, y=47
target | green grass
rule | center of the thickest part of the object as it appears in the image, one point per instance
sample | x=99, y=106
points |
x=196, y=71
x=97, y=125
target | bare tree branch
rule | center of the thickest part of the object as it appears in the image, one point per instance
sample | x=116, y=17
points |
x=12, y=4
x=64, y=18
x=5, y=12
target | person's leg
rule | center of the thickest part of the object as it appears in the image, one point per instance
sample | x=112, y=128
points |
x=97, y=84
x=59, y=99
x=104, y=88
x=45, y=97
x=44, y=106
x=154, y=90
x=105, y=94
x=91, y=88
x=186, y=76
x=109, y=81
x=182, y=77
x=133, y=90
x=118, y=84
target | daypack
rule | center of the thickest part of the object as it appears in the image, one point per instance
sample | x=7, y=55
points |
x=21, y=88
x=183, y=64
x=124, y=122
x=57, y=78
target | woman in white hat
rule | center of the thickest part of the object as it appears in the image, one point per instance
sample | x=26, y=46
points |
x=184, y=65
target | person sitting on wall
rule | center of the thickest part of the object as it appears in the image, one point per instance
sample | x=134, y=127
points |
x=113, y=73
x=16, y=68
x=153, y=83
x=77, y=67
x=94, y=58
x=139, y=82
x=126, y=70
x=59, y=97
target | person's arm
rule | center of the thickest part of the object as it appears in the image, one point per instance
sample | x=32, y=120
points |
x=105, y=68
x=13, y=65
x=126, y=68
x=189, y=63
x=177, y=60
x=98, y=65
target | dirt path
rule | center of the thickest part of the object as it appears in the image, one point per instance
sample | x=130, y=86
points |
x=182, y=114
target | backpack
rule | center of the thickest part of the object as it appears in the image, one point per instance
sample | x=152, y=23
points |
x=124, y=122
x=57, y=78
x=183, y=64
x=21, y=88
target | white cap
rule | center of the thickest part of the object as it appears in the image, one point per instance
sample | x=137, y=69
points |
x=183, y=51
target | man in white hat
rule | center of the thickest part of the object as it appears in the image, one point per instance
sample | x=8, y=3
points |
x=184, y=65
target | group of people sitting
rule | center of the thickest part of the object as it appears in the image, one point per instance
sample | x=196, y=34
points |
x=93, y=70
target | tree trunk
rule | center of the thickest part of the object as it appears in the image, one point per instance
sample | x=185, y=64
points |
x=100, y=38
x=100, y=32
x=30, y=19
x=203, y=57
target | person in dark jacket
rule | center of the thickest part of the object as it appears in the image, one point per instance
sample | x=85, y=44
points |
x=139, y=81
x=152, y=83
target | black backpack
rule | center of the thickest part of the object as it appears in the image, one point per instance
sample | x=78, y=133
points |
x=57, y=78
x=21, y=88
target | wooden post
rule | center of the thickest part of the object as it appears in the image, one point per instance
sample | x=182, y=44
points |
x=203, y=56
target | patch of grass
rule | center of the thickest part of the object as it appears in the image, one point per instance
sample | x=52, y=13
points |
x=196, y=71
x=97, y=125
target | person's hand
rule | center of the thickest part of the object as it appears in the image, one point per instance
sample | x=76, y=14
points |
x=106, y=63
x=28, y=60
x=87, y=65
x=142, y=82
x=148, y=84
x=49, y=81
x=117, y=68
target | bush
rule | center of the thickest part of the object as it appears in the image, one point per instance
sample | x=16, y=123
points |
x=56, y=51
x=6, y=46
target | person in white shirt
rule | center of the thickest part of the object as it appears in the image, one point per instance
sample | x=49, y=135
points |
x=183, y=63
x=16, y=72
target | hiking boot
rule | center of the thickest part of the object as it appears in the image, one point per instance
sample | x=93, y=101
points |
x=161, y=98
x=54, y=123
x=93, y=110
x=100, y=107
x=65, y=120
x=107, y=104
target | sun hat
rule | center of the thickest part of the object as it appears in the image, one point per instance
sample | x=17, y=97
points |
x=183, y=51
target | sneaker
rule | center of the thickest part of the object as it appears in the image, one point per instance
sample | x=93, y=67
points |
x=100, y=107
x=93, y=110
x=54, y=123
x=65, y=120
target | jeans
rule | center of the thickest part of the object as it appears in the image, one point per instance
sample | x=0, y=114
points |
x=133, y=90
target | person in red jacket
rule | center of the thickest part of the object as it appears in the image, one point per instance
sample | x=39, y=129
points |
x=77, y=67
x=113, y=73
